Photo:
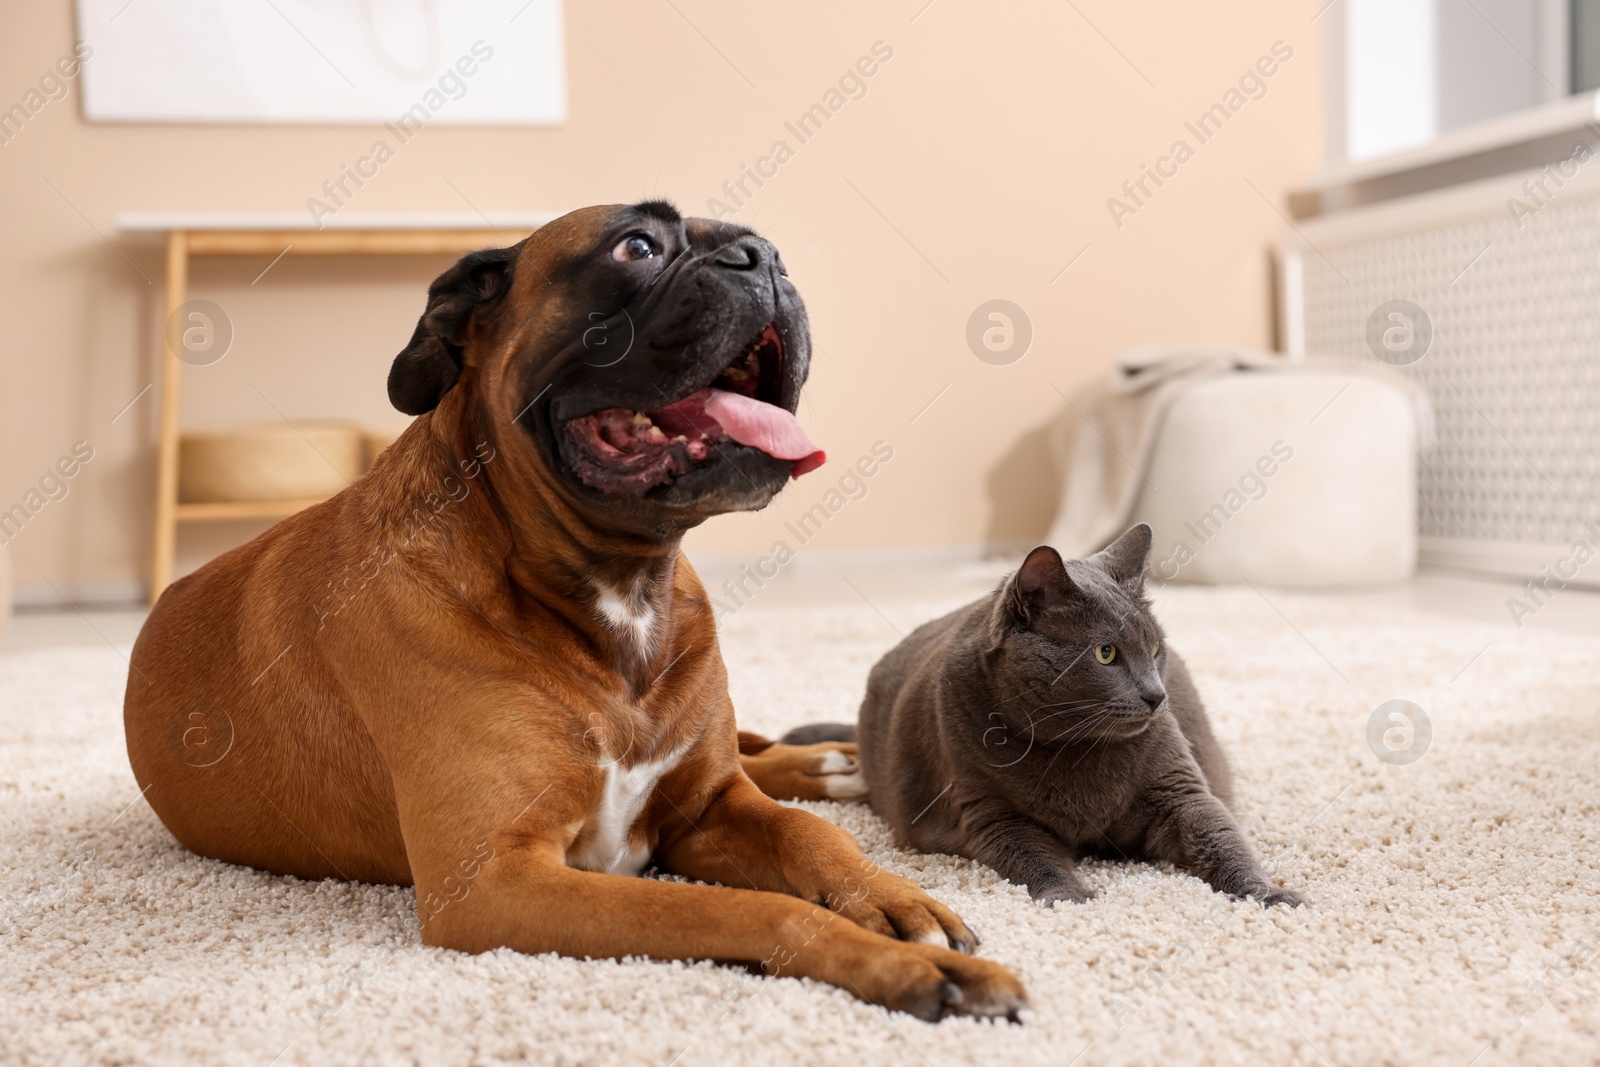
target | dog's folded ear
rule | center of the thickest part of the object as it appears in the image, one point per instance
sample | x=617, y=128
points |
x=429, y=366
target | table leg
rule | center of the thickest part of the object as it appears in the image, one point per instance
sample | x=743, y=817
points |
x=171, y=400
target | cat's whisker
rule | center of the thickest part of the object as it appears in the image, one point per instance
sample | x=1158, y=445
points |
x=1065, y=706
x=1070, y=735
x=1090, y=749
x=1033, y=724
x=1081, y=725
x=1074, y=733
x=1031, y=690
x=1044, y=777
x=1066, y=703
x=1097, y=712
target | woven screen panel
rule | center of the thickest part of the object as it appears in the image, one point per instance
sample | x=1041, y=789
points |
x=1513, y=368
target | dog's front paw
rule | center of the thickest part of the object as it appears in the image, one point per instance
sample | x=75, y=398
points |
x=835, y=766
x=824, y=771
x=966, y=985
x=897, y=907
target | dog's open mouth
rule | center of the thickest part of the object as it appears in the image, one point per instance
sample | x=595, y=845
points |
x=624, y=451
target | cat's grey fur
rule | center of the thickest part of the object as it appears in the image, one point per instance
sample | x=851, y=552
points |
x=995, y=733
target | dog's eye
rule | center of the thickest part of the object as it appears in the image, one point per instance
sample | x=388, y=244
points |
x=634, y=246
x=1105, y=653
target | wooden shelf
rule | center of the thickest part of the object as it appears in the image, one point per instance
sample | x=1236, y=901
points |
x=163, y=222
x=190, y=235
x=226, y=510
x=346, y=242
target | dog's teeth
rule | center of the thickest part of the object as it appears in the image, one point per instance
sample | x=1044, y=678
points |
x=656, y=434
x=680, y=439
x=736, y=374
x=641, y=419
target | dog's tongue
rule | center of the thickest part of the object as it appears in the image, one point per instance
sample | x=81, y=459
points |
x=765, y=426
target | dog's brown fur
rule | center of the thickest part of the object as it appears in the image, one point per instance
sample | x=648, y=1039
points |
x=409, y=684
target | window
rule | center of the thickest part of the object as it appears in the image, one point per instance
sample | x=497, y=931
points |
x=1414, y=69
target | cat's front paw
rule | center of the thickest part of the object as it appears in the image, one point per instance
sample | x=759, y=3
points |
x=1053, y=893
x=1278, y=895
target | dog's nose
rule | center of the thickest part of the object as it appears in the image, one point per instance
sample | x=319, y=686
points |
x=747, y=253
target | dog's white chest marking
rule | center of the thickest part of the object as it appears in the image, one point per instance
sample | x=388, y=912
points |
x=626, y=614
x=609, y=846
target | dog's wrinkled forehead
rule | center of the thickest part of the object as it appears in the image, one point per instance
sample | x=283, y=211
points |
x=567, y=243
x=702, y=234
x=578, y=281
x=711, y=233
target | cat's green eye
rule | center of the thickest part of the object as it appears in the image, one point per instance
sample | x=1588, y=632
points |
x=1105, y=653
x=1155, y=649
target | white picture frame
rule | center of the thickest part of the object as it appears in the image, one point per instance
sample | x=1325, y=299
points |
x=324, y=62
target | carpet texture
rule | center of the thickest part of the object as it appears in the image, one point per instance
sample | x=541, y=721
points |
x=1456, y=915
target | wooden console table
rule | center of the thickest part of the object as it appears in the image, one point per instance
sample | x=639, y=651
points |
x=189, y=235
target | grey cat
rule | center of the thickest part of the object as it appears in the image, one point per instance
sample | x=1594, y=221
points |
x=1049, y=721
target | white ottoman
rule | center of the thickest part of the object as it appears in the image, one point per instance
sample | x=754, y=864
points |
x=1294, y=477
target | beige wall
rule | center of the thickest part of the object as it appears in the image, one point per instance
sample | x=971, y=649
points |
x=977, y=166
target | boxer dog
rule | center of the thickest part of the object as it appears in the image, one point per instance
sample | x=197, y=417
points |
x=486, y=670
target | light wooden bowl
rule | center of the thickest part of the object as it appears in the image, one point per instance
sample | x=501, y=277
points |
x=310, y=460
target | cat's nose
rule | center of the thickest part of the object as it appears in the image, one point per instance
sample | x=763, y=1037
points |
x=1153, y=698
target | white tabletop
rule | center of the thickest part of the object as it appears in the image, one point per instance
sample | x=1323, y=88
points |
x=158, y=221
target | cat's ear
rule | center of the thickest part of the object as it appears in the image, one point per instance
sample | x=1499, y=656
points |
x=1125, y=558
x=1040, y=582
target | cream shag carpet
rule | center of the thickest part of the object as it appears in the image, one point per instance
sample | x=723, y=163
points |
x=1456, y=917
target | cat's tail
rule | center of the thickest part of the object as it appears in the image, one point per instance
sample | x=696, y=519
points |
x=813, y=733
